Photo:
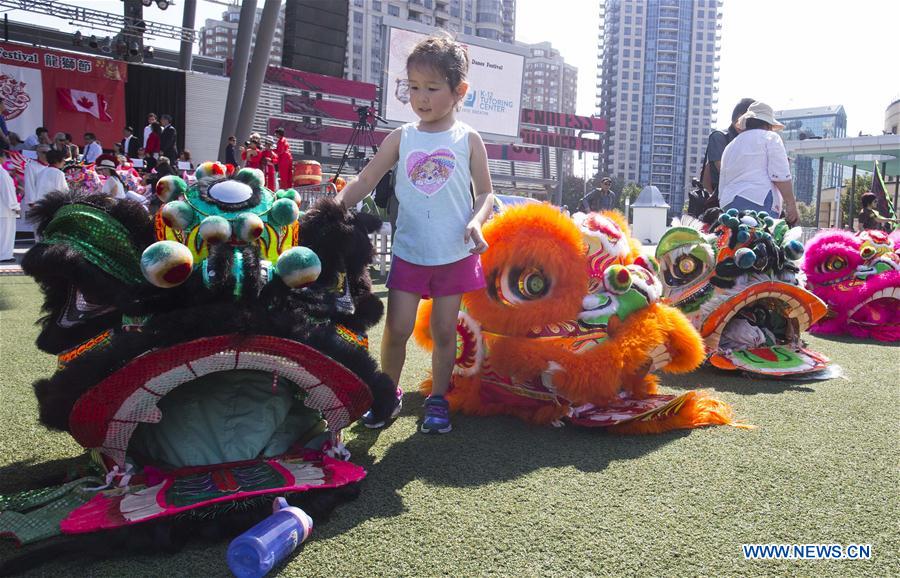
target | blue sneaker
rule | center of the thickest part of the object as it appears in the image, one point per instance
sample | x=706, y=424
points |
x=368, y=419
x=437, y=415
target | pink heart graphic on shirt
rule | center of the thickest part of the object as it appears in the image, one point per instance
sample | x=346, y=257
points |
x=428, y=172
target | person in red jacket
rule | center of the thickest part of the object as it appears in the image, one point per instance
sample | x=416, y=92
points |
x=250, y=153
x=269, y=163
x=285, y=160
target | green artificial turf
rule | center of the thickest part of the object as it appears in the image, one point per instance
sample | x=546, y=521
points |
x=500, y=497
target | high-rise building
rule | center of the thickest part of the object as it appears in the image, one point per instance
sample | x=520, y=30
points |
x=218, y=37
x=806, y=123
x=493, y=19
x=658, y=71
x=548, y=83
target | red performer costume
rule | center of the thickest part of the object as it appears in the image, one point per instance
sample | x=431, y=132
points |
x=252, y=158
x=285, y=162
x=269, y=161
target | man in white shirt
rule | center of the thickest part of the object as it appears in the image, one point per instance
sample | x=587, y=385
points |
x=92, y=148
x=51, y=179
x=9, y=211
x=151, y=120
x=33, y=169
x=38, y=138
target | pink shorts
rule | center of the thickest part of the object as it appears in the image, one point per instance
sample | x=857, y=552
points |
x=436, y=280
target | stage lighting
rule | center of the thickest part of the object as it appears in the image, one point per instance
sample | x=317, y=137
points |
x=134, y=48
x=92, y=42
x=148, y=52
x=106, y=45
x=162, y=4
x=147, y=3
x=78, y=38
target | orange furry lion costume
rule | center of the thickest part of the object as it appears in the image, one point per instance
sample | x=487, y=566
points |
x=570, y=327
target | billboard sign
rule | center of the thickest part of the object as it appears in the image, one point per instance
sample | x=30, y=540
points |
x=491, y=106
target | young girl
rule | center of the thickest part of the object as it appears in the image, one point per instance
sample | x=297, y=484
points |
x=438, y=235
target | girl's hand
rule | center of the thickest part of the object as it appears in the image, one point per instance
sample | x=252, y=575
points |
x=473, y=233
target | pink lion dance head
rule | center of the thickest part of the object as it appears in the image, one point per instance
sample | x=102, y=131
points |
x=858, y=276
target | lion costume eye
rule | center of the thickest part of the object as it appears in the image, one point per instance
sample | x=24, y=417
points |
x=686, y=268
x=519, y=285
x=867, y=252
x=833, y=264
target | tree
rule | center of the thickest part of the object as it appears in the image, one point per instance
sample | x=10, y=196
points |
x=629, y=191
x=573, y=190
x=807, y=213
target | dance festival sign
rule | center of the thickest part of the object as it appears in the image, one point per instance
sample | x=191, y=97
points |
x=491, y=106
x=341, y=135
x=35, y=85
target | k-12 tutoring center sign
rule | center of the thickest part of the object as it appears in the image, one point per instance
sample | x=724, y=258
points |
x=492, y=104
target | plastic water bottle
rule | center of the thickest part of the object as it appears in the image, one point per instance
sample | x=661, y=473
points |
x=259, y=549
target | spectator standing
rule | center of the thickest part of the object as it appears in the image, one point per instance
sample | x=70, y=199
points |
x=230, y=157
x=92, y=148
x=869, y=217
x=15, y=143
x=59, y=144
x=602, y=199
x=33, y=169
x=4, y=131
x=73, y=148
x=9, y=211
x=715, y=146
x=151, y=120
x=52, y=178
x=39, y=137
x=285, y=160
x=250, y=153
x=152, y=148
x=755, y=173
x=269, y=163
x=130, y=143
x=168, y=139
x=186, y=158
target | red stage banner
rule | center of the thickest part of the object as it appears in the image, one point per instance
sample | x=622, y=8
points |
x=341, y=135
x=64, y=71
x=315, y=82
x=563, y=120
x=308, y=106
x=563, y=141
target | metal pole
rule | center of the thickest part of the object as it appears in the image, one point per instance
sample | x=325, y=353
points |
x=896, y=194
x=819, y=189
x=238, y=73
x=557, y=198
x=256, y=73
x=852, y=197
x=187, y=48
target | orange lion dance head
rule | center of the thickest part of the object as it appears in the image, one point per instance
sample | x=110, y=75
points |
x=570, y=326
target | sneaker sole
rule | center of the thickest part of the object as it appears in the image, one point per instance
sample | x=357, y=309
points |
x=425, y=430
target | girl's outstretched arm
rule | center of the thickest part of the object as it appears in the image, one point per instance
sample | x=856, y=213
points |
x=484, y=198
x=386, y=157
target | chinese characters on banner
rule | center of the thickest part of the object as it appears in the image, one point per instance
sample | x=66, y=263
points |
x=31, y=80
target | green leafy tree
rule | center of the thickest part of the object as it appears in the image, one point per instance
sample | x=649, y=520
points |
x=573, y=190
x=807, y=213
x=629, y=191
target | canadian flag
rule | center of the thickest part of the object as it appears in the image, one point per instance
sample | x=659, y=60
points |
x=82, y=101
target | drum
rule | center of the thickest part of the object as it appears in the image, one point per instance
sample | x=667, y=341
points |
x=307, y=173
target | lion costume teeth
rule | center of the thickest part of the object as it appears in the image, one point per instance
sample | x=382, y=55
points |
x=570, y=327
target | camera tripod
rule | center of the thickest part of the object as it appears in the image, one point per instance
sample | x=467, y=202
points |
x=363, y=135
